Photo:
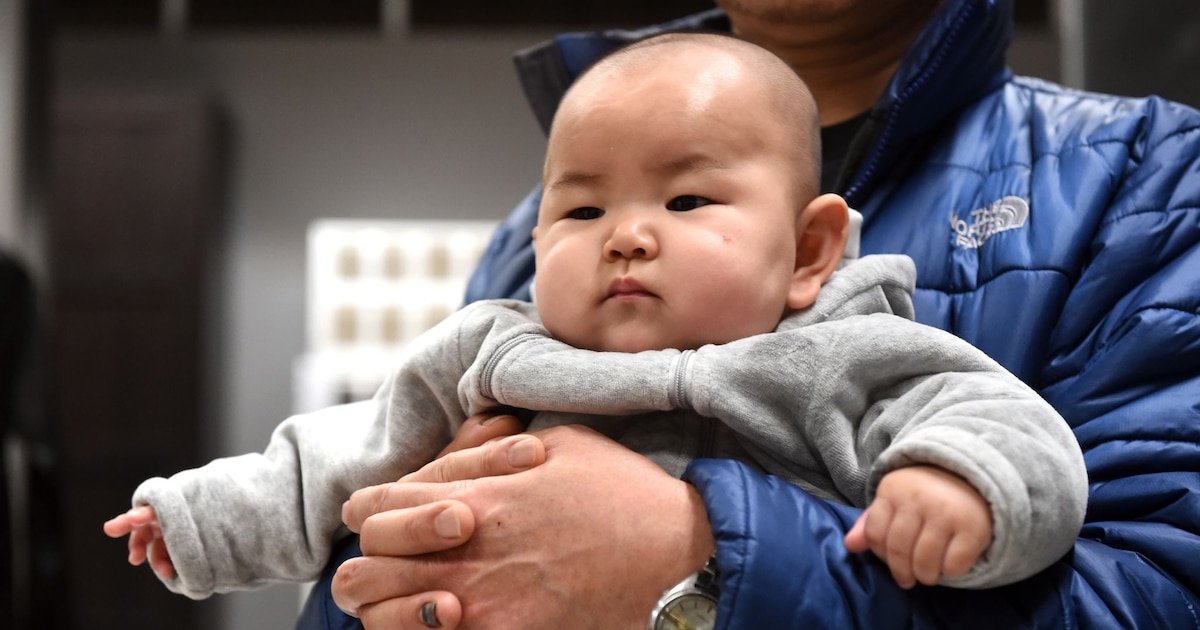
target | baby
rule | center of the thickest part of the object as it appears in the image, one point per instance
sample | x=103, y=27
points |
x=691, y=301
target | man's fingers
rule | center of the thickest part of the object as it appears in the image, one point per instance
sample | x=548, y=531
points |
x=482, y=428
x=372, y=500
x=438, y=609
x=417, y=530
x=370, y=580
x=501, y=457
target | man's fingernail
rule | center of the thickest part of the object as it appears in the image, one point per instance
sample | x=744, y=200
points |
x=447, y=525
x=490, y=419
x=429, y=615
x=522, y=454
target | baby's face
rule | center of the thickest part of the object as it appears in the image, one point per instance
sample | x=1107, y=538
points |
x=669, y=211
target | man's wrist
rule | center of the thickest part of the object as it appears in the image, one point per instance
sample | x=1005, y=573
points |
x=703, y=546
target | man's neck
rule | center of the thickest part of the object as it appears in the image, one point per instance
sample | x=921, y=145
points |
x=846, y=60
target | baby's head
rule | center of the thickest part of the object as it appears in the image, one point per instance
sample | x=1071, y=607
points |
x=679, y=202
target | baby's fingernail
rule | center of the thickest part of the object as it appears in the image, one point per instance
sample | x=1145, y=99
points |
x=490, y=419
x=429, y=615
x=447, y=524
x=522, y=454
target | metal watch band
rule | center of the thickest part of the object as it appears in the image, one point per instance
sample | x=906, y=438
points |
x=708, y=576
x=705, y=582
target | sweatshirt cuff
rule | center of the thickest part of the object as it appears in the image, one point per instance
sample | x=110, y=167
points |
x=193, y=572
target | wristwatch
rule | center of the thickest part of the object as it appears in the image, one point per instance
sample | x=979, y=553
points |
x=691, y=604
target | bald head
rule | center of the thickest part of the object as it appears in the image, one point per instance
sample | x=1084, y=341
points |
x=726, y=60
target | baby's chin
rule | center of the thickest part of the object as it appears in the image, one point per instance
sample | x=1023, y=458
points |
x=634, y=344
x=630, y=339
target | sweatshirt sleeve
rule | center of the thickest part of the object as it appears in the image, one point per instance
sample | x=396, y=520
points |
x=882, y=393
x=245, y=521
x=526, y=368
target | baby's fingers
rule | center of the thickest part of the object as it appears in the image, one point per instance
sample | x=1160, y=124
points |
x=928, y=554
x=877, y=521
x=902, y=536
x=961, y=554
x=118, y=526
x=140, y=539
x=123, y=524
x=856, y=538
x=160, y=560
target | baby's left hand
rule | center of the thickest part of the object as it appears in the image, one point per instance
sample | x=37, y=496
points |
x=924, y=523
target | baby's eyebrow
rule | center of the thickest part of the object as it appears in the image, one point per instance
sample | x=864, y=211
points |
x=575, y=179
x=691, y=163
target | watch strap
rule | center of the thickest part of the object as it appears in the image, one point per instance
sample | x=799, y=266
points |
x=705, y=582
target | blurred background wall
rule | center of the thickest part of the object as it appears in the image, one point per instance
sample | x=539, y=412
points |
x=201, y=140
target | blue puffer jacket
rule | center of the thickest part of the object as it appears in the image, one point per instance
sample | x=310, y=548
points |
x=1057, y=230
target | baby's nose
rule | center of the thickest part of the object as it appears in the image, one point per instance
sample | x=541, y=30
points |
x=632, y=239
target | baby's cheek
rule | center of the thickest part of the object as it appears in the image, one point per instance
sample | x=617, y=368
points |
x=566, y=319
x=748, y=300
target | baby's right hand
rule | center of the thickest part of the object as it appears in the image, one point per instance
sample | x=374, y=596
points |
x=145, y=539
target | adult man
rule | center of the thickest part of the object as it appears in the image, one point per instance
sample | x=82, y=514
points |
x=1056, y=230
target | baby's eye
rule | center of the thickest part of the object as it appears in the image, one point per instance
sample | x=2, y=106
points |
x=585, y=214
x=683, y=203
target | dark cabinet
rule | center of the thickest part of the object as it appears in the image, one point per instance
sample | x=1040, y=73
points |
x=133, y=225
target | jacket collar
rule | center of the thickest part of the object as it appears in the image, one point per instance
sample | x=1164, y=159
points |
x=957, y=59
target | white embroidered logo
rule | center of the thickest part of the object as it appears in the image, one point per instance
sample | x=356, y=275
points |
x=1006, y=214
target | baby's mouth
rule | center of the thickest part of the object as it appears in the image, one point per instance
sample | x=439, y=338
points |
x=628, y=288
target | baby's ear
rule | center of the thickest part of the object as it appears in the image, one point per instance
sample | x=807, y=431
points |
x=821, y=234
x=533, y=233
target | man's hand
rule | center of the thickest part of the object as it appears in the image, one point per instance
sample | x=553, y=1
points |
x=924, y=523
x=588, y=539
x=480, y=429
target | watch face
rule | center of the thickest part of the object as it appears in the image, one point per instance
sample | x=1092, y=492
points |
x=690, y=611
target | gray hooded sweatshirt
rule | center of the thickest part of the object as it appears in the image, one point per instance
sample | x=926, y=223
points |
x=839, y=395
